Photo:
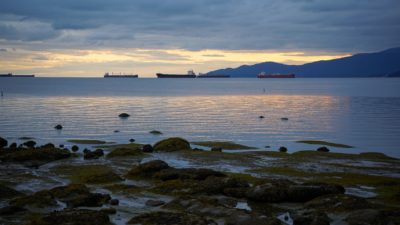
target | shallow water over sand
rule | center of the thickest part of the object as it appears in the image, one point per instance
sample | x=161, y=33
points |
x=364, y=113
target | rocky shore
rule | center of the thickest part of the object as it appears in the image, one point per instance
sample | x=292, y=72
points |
x=176, y=182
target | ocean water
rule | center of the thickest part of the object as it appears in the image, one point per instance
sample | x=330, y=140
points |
x=363, y=112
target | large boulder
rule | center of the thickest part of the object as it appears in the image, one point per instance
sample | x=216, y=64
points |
x=170, y=218
x=73, y=217
x=146, y=170
x=172, y=144
x=3, y=142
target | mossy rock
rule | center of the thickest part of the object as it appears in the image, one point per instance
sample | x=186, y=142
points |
x=7, y=192
x=72, y=217
x=172, y=144
x=147, y=170
x=169, y=218
x=125, y=152
x=89, y=174
x=87, y=141
x=124, y=188
x=41, y=155
x=40, y=199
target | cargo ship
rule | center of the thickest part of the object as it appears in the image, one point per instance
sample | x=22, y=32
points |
x=107, y=75
x=213, y=76
x=12, y=75
x=190, y=74
x=275, y=75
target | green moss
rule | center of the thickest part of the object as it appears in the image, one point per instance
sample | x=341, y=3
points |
x=87, y=142
x=228, y=145
x=172, y=144
x=125, y=152
x=124, y=188
x=315, y=142
x=42, y=155
x=132, y=146
x=88, y=174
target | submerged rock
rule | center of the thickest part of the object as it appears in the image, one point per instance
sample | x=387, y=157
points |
x=3, y=142
x=124, y=115
x=282, y=149
x=73, y=217
x=93, y=154
x=155, y=132
x=29, y=144
x=131, y=140
x=172, y=144
x=323, y=149
x=124, y=152
x=170, y=218
x=154, y=203
x=186, y=173
x=58, y=127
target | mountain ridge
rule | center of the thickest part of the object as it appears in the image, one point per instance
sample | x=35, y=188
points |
x=376, y=64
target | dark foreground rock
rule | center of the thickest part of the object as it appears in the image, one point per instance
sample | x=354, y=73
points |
x=10, y=210
x=93, y=154
x=311, y=218
x=283, y=192
x=146, y=170
x=373, y=217
x=73, y=217
x=170, y=218
x=172, y=144
x=3, y=142
x=338, y=203
x=7, y=193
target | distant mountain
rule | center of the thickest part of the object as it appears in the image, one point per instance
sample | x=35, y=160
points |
x=385, y=63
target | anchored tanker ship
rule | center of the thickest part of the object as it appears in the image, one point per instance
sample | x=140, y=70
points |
x=12, y=75
x=190, y=74
x=277, y=75
x=107, y=75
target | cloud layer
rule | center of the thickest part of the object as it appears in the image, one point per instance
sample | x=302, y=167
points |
x=342, y=25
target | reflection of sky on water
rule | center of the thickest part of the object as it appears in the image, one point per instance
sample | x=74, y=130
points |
x=369, y=123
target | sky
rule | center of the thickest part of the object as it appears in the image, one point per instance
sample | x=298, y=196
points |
x=91, y=37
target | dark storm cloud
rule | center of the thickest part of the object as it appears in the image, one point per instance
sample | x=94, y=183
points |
x=342, y=25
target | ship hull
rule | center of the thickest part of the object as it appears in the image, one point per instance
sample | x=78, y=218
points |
x=162, y=75
x=276, y=76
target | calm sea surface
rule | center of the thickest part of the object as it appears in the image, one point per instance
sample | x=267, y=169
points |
x=361, y=112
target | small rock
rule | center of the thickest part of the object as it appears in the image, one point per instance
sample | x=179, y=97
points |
x=75, y=148
x=58, y=127
x=61, y=146
x=13, y=145
x=284, y=119
x=109, y=211
x=154, y=203
x=282, y=149
x=131, y=140
x=3, y=142
x=267, y=146
x=261, y=117
x=124, y=115
x=323, y=149
x=116, y=131
x=30, y=144
x=155, y=132
x=93, y=155
x=49, y=145
x=86, y=150
x=147, y=148
x=114, y=202
x=216, y=149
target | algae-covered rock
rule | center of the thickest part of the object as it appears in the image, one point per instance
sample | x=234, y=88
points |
x=172, y=144
x=125, y=152
x=3, y=142
x=338, y=203
x=40, y=156
x=283, y=191
x=40, y=199
x=89, y=174
x=93, y=154
x=146, y=170
x=73, y=217
x=147, y=148
x=186, y=173
x=311, y=218
x=373, y=217
x=77, y=195
x=170, y=218
x=29, y=144
x=282, y=149
x=7, y=192
x=48, y=145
